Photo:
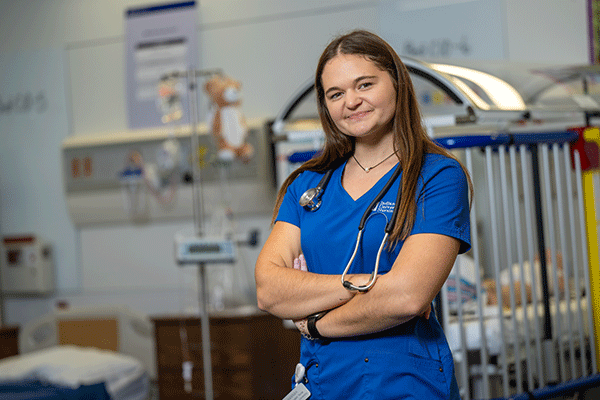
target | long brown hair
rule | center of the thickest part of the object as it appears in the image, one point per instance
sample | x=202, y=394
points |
x=411, y=141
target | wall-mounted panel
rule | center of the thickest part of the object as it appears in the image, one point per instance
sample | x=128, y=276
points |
x=118, y=178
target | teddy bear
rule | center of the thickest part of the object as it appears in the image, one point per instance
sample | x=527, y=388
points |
x=226, y=121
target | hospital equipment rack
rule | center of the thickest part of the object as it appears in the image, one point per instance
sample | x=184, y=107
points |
x=535, y=198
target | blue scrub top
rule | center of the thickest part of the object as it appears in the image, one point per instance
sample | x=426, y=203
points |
x=412, y=360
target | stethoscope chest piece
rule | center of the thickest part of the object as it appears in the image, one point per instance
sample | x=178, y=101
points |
x=311, y=199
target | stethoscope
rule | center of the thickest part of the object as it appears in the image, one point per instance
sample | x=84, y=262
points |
x=311, y=201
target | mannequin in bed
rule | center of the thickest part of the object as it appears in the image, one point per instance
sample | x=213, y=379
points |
x=490, y=284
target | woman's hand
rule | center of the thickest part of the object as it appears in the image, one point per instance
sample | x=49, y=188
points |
x=300, y=263
x=301, y=324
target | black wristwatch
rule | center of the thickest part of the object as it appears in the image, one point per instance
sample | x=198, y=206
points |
x=311, y=324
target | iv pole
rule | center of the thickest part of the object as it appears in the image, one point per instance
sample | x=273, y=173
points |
x=198, y=205
x=197, y=245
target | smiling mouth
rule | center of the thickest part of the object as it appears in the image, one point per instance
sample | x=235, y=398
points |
x=358, y=115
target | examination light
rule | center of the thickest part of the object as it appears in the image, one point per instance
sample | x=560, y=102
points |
x=503, y=95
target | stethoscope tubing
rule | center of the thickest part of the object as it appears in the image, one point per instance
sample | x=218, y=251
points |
x=389, y=227
x=363, y=288
x=311, y=201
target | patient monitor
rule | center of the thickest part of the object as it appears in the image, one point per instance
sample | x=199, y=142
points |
x=26, y=266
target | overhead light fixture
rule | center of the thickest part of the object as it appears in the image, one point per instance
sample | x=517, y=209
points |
x=503, y=95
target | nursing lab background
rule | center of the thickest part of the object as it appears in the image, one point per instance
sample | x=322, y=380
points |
x=127, y=219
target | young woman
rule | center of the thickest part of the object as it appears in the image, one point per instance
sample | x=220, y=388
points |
x=363, y=341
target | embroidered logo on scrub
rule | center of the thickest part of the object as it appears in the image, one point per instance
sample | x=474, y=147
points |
x=384, y=207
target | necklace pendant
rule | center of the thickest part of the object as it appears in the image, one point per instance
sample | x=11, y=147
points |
x=367, y=169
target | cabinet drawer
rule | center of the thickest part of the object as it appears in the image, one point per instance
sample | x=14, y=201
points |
x=9, y=341
x=227, y=385
x=230, y=345
x=253, y=356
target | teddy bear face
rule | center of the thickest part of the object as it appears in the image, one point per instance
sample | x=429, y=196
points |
x=223, y=91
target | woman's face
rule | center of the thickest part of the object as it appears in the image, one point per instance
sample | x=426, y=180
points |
x=360, y=97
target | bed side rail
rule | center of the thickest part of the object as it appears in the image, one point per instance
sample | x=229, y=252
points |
x=530, y=322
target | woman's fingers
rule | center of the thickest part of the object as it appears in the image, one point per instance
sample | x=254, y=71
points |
x=300, y=263
x=303, y=266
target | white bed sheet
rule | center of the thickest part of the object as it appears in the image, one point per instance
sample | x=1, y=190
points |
x=493, y=330
x=124, y=377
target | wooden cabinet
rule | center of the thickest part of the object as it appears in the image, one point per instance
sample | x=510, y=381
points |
x=253, y=356
x=9, y=341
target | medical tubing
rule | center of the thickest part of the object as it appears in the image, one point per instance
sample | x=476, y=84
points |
x=364, y=288
x=324, y=181
x=382, y=193
x=346, y=283
x=388, y=229
x=390, y=225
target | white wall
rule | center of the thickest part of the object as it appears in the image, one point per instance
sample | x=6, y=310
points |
x=265, y=44
x=271, y=46
x=547, y=31
x=445, y=29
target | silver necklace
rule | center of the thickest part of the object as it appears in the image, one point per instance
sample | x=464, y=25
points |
x=373, y=166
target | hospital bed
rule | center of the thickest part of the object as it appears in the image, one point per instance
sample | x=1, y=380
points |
x=524, y=322
x=82, y=353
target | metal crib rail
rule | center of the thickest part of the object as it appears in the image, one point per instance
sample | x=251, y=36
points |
x=562, y=390
x=535, y=215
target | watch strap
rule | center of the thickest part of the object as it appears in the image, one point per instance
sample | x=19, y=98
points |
x=311, y=324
